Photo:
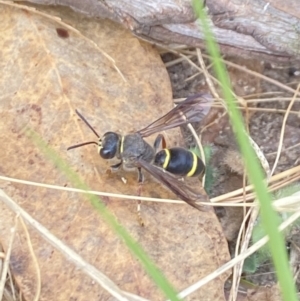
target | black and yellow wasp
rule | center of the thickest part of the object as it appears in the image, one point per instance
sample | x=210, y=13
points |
x=167, y=164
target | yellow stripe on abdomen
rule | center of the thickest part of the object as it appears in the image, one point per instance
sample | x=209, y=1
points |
x=167, y=159
x=194, y=166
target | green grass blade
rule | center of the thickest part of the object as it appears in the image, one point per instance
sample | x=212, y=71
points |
x=254, y=171
x=136, y=249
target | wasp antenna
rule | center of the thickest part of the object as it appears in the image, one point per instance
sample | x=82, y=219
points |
x=82, y=144
x=86, y=122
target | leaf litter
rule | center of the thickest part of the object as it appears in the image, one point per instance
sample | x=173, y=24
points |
x=264, y=92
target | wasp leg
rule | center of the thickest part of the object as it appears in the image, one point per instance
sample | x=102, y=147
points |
x=139, y=192
x=159, y=139
x=116, y=166
x=140, y=176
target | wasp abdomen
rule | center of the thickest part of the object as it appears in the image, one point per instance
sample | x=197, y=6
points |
x=179, y=161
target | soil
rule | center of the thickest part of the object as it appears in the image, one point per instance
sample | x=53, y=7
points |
x=264, y=128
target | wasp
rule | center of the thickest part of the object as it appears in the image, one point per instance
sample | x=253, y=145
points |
x=134, y=152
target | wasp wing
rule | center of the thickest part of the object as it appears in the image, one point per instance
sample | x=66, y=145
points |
x=192, y=109
x=184, y=192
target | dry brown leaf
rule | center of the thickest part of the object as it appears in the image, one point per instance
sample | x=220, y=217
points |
x=259, y=293
x=264, y=294
x=45, y=75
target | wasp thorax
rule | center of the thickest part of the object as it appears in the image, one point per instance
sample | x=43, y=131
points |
x=109, y=145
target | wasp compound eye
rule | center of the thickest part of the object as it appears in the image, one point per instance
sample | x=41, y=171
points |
x=109, y=145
